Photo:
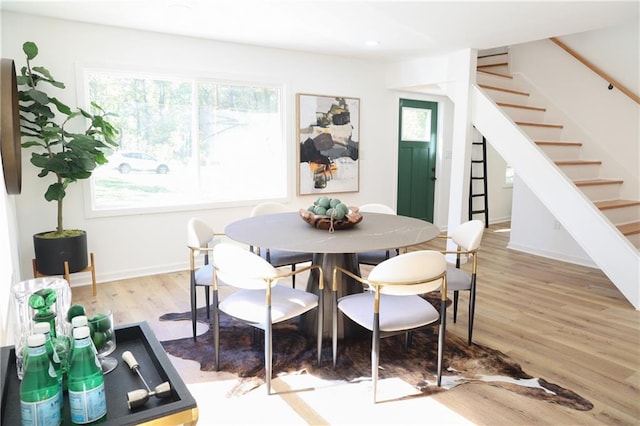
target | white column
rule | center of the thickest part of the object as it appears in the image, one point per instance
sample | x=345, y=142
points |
x=462, y=68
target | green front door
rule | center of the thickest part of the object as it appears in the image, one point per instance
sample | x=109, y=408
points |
x=417, y=158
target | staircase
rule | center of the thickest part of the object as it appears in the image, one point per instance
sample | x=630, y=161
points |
x=493, y=77
x=588, y=205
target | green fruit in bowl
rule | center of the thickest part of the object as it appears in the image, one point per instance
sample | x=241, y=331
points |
x=334, y=202
x=323, y=202
x=311, y=208
x=74, y=311
x=342, y=207
x=330, y=212
x=320, y=211
x=99, y=339
x=101, y=323
x=338, y=214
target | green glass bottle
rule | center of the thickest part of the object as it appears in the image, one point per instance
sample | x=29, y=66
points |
x=44, y=328
x=40, y=393
x=87, y=398
x=41, y=301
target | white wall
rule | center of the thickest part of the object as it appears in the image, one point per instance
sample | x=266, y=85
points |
x=614, y=50
x=9, y=265
x=127, y=246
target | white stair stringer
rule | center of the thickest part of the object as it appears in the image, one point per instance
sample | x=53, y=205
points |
x=606, y=246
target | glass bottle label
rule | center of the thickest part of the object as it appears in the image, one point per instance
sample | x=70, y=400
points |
x=42, y=413
x=87, y=406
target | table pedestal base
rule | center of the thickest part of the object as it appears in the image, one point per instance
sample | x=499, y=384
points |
x=346, y=285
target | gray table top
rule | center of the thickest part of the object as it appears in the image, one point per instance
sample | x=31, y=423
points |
x=287, y=231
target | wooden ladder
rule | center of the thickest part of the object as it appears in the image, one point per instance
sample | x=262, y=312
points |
x=479, y=173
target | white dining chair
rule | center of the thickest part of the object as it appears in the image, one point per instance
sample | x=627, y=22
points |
x=200, y=240
x=259, y=300
x=393, y=303
x=467, y=237
x=277, y=257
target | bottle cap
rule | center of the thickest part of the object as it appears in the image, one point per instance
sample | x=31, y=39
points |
x=81, y=332
x=79, y=321
x=42, y=327
x=35, y=340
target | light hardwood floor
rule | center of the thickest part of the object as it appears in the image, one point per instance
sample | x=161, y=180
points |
x=565, y=323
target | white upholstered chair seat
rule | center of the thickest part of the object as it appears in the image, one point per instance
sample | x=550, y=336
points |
x=457, y=279
x=396, y=312
x=204, y=275
x=286, y=303
x=376, y=256
x=280, y=258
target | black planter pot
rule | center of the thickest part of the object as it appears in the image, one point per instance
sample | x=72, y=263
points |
x=52, y=252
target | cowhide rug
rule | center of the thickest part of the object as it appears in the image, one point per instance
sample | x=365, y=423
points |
x=294, y=353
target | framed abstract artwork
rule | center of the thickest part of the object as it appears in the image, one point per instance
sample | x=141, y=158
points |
x=328, y=132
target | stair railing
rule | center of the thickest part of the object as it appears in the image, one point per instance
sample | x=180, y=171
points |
x=612, y=82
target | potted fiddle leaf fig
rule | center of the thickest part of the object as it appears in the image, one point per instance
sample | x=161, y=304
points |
x=62, y=153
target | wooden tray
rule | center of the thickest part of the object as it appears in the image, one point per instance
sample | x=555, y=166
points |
x=154, y=366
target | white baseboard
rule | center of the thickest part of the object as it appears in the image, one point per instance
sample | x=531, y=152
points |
x=81, y=279
x=553, y=255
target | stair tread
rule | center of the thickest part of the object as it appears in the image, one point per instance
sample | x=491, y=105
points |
x=502, y=89
x=532, y=108
x=527, y=123
x=496, y=64
x=613, y=204
x=577, y=162
x=629, y=228
x=496, y=74
x=588, y=182
x=558, y=143
x=491, y=55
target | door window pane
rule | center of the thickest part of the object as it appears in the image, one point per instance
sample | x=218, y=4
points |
x=416, y=124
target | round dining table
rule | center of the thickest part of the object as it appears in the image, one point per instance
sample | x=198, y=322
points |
x=288, y=231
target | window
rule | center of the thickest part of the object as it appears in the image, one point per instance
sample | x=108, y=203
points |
x=509, y=174
x=416, y=124
x=188, y=142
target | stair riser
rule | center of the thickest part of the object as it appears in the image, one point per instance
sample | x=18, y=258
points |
x=494, y=59
x=561, y=152
x=494, y=80
x=520, y=114
x=622, y=215
x=499, y=96
x=601, y=192
x=635, y=240
x=575, y=172
x=543, y=133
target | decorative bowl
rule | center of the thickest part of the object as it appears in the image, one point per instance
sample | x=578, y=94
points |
x=325, y=222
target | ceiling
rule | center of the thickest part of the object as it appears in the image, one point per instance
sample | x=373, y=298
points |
x=402, y=29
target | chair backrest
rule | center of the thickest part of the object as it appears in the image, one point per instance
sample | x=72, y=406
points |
x=238, y=267
x=424, y=269
x=199, y=233
x=376, y=208
x=269, y=207
x=468, y=235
